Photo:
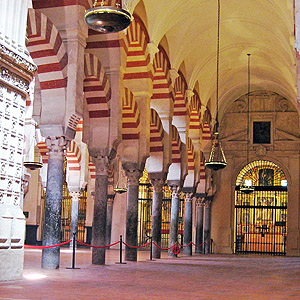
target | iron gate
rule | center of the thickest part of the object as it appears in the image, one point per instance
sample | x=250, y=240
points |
x=261, y=219
x=145, y=215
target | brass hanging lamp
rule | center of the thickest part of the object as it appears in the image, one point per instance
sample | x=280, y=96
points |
x=247, y=187
x=32, y=165
x=106, y=19
x=217, y=160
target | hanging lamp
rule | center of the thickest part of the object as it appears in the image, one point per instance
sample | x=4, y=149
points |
x=106, y=19
x=118, y=189
x=247, y=187
x=217, y=160
x=32, y=165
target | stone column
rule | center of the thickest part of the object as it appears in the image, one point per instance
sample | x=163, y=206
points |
x=74, y=215
x=188, y=222
x=199, y=224
x=158, y=184
x=110, y=203
x=101, y=163
x=207, y=221
x=53, y=201
x=133, y=174
x=173, y=238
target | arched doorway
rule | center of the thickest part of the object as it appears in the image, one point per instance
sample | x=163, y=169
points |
x=261, y=216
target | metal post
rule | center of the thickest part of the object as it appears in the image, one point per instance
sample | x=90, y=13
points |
x=121, y=251
x=73, y=252
x=151, y=248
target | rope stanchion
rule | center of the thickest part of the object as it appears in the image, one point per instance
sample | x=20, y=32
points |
x=92, y=246
x=121, y=251
x=46, y=247
x=151, y=248
x=176, y=250
x=73, y=252
x=198, y=245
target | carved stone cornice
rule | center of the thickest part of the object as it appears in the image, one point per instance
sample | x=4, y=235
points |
x=14, y=80
x=57, y=146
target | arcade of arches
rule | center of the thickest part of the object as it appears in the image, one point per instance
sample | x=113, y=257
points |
x=123, y=123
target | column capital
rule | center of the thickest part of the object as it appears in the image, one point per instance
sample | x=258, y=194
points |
x=188, y=197
x=57, y=146
x=175, y=189
x=75, y=195
x=102, y=165
x=157, y=184
x=208, y=203
x=110, y=200
x=133, y=173
x=200, y=202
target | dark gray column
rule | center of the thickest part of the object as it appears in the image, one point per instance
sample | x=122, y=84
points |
x=74, y=215
x=110, y=203
x=173, y=238
x=188, y=223
x=133, y=174
x=158, y=184
x=199, y=225
x=101, y=163
x=207, y=219
x=53, y=201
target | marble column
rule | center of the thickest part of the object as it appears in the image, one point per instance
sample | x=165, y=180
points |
x=188, y=222
x=133, y=174
x=173, y=238
x=53, y=201
x=158, y=184
x=101, y=163
x=110, y=203
x=199, y=224
x=207, y=221
x=74, y=215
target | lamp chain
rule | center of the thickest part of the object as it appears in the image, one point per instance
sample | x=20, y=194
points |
x=218, y=59
x=248, y=109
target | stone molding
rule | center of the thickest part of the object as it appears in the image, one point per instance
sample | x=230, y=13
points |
x=14, y=80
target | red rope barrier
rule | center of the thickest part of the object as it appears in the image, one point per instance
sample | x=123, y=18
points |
x=82, y=243
x=183, y=246
x=199, y=245
x=46, y=247
x=164, y=248
x=136, y=247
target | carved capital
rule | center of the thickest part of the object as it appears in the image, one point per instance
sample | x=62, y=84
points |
x=208, y=203
x=102, y=165
x=157, y=184
x=188, y=197
x=132, y=172
x=57, y=146
x=175, y=191
x=75, y=196
x=200, y=202
x=152, y=50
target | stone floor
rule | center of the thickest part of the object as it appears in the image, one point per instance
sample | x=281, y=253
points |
x=198, y=277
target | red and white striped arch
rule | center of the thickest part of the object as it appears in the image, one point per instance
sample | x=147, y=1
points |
x=191, y=155
x=130, y=117
x=156, y=133
x=73, y=156
x=161, y=80
x=138, y=58
x=176, y=145
x=96, y=88
x=180, y=102
x=195, y=116
x=48, y=52
x=92, y=170
x=43, y=151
